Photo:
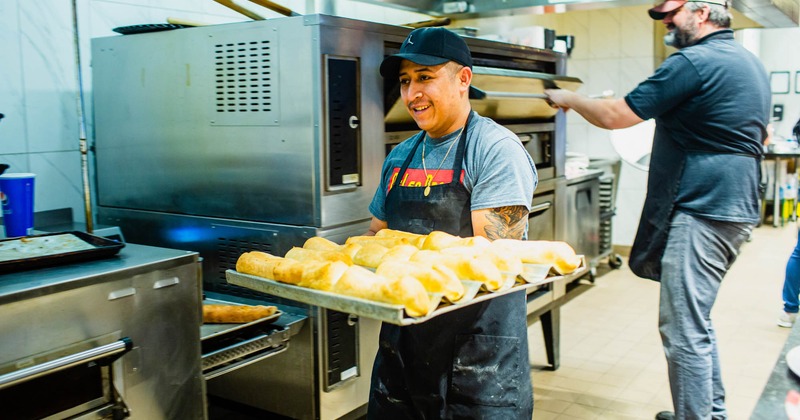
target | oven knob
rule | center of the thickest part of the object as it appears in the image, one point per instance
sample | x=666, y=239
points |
x=353, y=121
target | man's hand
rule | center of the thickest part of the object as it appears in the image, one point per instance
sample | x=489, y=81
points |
x=375, y=225
x=559, y=98
x=602, y=112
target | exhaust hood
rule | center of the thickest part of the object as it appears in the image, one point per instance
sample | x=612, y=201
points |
x=768, y=13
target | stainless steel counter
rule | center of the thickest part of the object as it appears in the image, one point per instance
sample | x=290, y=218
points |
x=132, y=259
x=146, y=297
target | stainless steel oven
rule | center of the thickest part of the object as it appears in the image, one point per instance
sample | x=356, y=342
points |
x=228, y=138
x=107, y=339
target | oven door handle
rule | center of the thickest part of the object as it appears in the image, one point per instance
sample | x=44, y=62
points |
x=115, y=349
x=539, y=209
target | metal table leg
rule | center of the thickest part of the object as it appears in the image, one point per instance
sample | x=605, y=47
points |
x=551, y=328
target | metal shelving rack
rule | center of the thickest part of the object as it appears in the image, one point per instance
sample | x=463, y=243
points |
x=608, y=199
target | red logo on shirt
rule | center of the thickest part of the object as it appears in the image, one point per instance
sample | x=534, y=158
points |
x=416, y=177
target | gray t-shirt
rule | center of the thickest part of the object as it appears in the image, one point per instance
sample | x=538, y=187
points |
x=497, y=170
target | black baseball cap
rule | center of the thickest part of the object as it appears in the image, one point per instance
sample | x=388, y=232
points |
x=662, y=10
x=428, y=47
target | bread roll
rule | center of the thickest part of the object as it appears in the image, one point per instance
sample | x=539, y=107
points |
x=302, y=254
x=399, y=253
x=289, y=271
x=559, y=254
x=410, y=293
x=467, y=266
x=387, y=242
x=413, y=238
x=351, y=250
x=258, y=264
x=322, y=275
x=362, y=283
x=439, y=240
x=472, y=242
x=435, y=278
x=321, y=244
x=235, y=314
x=359, y=282
x=370, y=255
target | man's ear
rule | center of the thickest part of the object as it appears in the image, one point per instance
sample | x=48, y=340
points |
x=465, y=77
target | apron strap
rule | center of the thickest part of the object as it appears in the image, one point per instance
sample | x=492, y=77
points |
x=462, y=146
x=404, y=168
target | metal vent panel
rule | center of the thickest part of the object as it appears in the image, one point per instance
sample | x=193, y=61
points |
x=244, y=79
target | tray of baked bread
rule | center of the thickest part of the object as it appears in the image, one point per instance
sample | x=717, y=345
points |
x=404, y=278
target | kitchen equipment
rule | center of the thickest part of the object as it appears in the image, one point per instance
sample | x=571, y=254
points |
x=260, y=135
x=146, y=28
x=54, y=249
x=112, y=338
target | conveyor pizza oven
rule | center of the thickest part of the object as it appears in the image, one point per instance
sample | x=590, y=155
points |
x=258, y=135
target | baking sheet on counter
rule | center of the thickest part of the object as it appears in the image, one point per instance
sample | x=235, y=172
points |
x=37, y=251
x=393, y=314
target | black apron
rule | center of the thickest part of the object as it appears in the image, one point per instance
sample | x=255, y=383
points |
x=666, y=170
x=471, y=363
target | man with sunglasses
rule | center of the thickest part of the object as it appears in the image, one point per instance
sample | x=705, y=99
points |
x=711, y=104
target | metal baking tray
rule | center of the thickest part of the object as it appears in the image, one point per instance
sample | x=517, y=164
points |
x=101, y=248
x=393, y=314
x=208, y=331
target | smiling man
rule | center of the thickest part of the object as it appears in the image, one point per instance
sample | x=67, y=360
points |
x=466, y=175
x=711, y=104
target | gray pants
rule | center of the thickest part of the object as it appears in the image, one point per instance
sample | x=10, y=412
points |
x=698, y=254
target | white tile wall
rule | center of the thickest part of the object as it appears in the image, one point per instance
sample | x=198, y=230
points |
x=39, y=85
x=613, y=51
x=12, y=100
x=776, y=49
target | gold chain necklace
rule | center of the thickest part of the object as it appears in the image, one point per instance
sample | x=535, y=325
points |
x=429, y=180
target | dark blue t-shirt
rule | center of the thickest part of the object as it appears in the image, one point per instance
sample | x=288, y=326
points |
x=712, y=101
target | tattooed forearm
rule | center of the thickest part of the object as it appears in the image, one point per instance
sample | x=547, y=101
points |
x=506, y=222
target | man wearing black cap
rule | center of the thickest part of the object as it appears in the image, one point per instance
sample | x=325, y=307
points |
x=711, y=103
x=466, y=175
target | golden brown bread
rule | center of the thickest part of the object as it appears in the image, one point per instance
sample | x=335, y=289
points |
x=362, y=283
x=370, y=255
x=399, y=253
x=351, y=250
x=322, y=275
x=288, y=271
x=303, y=255
x=557, y=253
x=258, y=264
x=235, y=314
x=439, y=240
x=467, y=266
x=413, y=238
x=506, y=262
x=385, y=241
x=321, y=244
x=436, y=278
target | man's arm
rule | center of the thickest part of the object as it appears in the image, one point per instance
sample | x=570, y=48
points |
x=501, y=222
x=375, y=225
x=604, y=113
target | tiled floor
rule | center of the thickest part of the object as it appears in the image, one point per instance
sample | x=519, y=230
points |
x=612, y=364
